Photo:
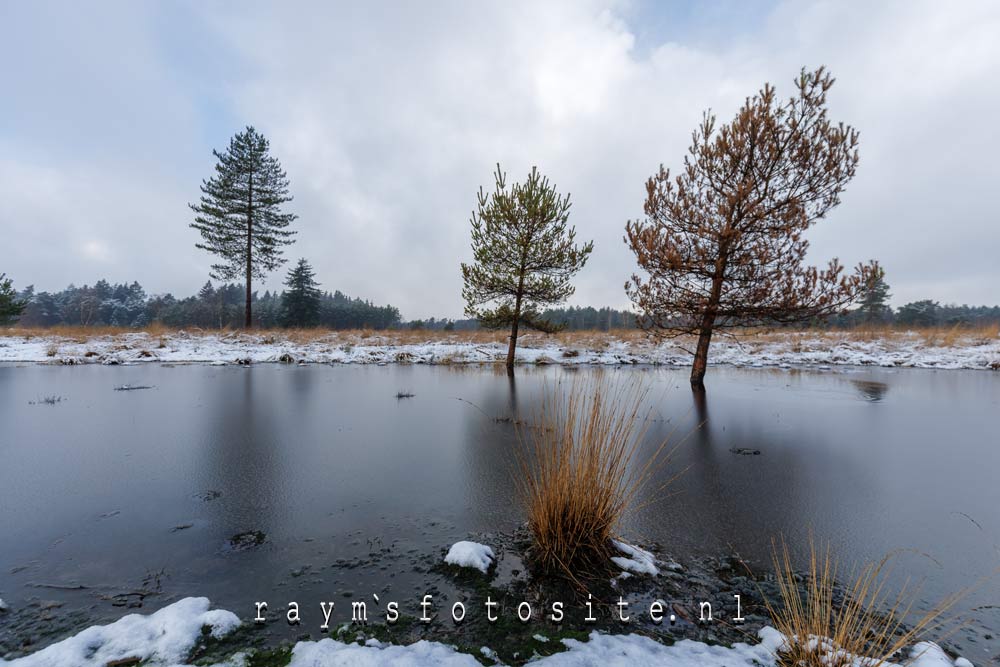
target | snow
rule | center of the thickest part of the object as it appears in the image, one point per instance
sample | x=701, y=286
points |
x=821, y=350
x=636, y=560
x=166, y=637
x=470, y=554
x=332, y=653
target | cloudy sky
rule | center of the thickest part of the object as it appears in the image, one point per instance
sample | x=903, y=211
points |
x=389, y=116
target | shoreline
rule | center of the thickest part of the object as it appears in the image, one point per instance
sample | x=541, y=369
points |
x=785, y=350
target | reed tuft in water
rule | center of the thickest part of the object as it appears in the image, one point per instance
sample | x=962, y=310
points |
x=581, y=471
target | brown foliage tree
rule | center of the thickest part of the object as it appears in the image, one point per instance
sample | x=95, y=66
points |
x=722, y=243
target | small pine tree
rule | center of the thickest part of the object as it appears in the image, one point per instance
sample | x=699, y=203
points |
x=874, y=303
x=524, y=252
x=10, y=306
x=239, y=214
x=301, y=303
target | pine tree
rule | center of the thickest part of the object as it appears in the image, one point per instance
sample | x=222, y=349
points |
x=239, y=214
x=525, y=254
x=874, y=303
x=301, y=303
x=10, y=306
x=722, y=243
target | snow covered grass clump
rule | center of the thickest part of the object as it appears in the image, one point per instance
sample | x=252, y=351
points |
x=823, y=630
x=580, y=473
x=635, y=560
x=470, y=554
x=165, y=637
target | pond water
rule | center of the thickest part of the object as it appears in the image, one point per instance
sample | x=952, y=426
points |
x=109, y=499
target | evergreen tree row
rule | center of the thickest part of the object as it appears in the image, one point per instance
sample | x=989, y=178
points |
x=214, y=307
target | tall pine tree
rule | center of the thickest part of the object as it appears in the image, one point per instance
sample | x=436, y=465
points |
x=10, y=306
x=524, y=252
x=239, y=214
x=301, y=303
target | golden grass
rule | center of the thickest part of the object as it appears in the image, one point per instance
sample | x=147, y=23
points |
x=580, y=473
x=830, y=627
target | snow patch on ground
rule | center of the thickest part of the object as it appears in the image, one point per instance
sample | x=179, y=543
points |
x=332, y=653
x=821, y=350
x=636, y=560
x=167, y=636
x=470, y=554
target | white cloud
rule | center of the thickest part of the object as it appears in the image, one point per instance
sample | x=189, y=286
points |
x=389, y=118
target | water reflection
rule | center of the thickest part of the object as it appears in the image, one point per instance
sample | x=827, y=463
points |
x=870, y=390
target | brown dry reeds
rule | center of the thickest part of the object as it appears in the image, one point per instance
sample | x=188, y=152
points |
x=859, y=623
x=581, y=472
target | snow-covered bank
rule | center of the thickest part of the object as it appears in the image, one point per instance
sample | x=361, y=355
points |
x=470, y=554
x=911, y=350
x=167, y=636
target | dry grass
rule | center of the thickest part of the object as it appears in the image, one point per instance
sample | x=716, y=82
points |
x=580, y=473
x=827, y=626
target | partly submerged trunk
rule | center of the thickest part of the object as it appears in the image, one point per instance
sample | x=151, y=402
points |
x=700, y=364
x=512, y=347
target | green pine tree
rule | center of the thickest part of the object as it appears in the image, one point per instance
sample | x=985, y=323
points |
x=875, y=302
x=239, y=214
x=301, y=303
x=10, y=306
x=524, y=252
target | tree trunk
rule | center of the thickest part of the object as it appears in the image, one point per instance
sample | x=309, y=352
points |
x=513, y=337
x=701, y=359
x=248, y=322
x=700, y=364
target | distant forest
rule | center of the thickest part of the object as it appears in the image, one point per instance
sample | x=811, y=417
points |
x=127, y=305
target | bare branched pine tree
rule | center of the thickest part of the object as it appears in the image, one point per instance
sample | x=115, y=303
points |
x=722, y=243
x=524, y=255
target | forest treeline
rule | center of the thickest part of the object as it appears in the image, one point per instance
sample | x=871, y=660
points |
x=127, y=305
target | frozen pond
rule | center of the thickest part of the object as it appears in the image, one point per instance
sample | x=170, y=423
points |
x=106, y=495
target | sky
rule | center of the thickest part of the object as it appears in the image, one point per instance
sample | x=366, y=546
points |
x=388, y=117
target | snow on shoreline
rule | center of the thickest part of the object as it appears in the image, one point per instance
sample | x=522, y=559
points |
x=907, y=350
x=167, y=636
x=470, y=554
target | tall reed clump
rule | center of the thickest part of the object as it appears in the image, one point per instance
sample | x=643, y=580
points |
x=859, y=623
x=581, y=472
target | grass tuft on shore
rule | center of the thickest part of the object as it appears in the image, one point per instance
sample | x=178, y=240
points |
x=581, y=471
x=858, y=623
